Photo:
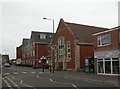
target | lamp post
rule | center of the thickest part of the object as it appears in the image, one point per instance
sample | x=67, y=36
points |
x=51, y=20
x=51, y=41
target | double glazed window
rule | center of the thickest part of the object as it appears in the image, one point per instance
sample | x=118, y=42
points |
x=61, y=49
x=104, y=40
x=108, y=66
x=42, y=36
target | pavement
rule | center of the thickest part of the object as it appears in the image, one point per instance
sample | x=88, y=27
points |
x=111, y=79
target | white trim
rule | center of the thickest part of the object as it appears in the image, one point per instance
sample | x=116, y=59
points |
x=85, y=43
x=105, y=31
x=111, y=61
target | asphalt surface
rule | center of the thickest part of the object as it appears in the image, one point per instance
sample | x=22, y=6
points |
x=17, y=77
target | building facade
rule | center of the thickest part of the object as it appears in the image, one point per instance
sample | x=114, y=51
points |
x=19, y=52
x=25, y=51
x=72, y=44
x=107, y=51
x=40, y=42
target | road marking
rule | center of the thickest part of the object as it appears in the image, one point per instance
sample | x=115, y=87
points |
x=75, y=86
x=116, y=85
x=15, y=73
x=21, y=82
x=6, y=73
x=33, y=72
x=24, y=72
x=41, y=72
x=51, y=80
x=7, y=83
x=12, y=82
x=87, y=81
x=65, y=77
x=37, y=76
x=27, y=85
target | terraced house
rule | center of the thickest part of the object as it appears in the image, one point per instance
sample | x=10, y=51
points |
x=72, y=44
x=107, y=51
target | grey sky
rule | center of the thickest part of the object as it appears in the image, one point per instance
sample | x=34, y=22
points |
x=20, y=18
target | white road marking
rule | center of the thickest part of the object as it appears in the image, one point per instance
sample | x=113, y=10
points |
x=33, y=72
x=21, y=82
x=65, y=77
x=51, y=80
x=87, y=81
x=41, y=72
x=116, y=85
x=7, y=83
x=24, y=72
x=27, y=85
x=15, y=73
x=37, y=76
x=12, y=82
x=75, y=86
x=6, y=73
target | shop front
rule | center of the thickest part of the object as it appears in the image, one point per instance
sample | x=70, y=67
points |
x=107, y=62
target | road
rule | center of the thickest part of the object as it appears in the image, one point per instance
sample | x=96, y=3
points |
x=17, y=77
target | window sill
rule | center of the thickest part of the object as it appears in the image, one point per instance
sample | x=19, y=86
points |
x=104, y=45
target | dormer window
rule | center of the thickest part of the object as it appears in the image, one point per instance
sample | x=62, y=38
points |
x=42, y=36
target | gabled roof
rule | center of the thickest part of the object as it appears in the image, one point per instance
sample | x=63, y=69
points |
x=81, y=32
x=84, y=32
x=35, y=36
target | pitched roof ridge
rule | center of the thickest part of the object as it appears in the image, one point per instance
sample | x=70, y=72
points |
x=85, y=25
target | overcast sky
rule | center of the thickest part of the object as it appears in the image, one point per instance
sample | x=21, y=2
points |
x=19, y=18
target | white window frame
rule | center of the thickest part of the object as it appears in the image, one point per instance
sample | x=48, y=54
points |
x=61, y=46
x=103, y=60
x=100, y=42
x=42, y=36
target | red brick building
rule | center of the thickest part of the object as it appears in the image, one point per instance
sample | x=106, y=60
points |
x=25, y=51
x=107, y=51
x=19, y=52
x=72, y=44
x=40, y=42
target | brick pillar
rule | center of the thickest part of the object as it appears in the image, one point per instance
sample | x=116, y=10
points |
x=77, y=56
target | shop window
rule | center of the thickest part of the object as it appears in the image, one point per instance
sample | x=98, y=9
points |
x=100, y=67
x=108, y=67
x=115, y=65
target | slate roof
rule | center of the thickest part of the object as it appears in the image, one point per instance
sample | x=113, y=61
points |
x=35, y=36
x=25, y=41
x=84, y=32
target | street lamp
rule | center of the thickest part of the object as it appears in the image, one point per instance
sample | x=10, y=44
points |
x=51, y=20
x=51, y=42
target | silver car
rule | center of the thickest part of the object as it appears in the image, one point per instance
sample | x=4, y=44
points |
x=6, y=65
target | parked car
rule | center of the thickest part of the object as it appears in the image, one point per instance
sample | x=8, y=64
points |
x=6, y=65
